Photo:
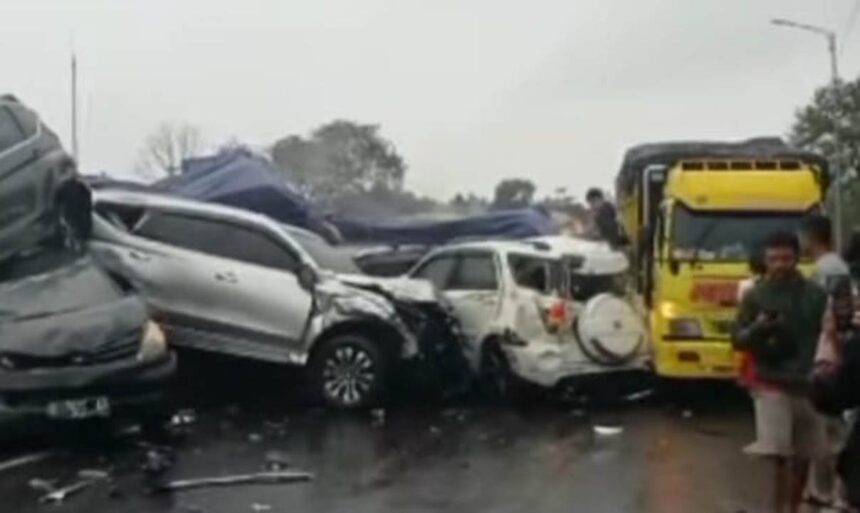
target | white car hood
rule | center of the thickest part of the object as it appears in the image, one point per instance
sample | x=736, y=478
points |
x=403, y=288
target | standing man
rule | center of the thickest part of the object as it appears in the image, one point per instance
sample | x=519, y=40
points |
x=778, y=323
x=605, y=218
x=817, y=240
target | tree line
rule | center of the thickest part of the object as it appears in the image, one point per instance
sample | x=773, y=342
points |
x=352, y=166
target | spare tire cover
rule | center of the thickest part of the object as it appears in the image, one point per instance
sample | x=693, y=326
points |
x=609, y=330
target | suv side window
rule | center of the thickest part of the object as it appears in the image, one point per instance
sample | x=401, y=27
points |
x=11, y=132
x=539, y=274
x=437, y=270
x=217, y=238
x=475, y=271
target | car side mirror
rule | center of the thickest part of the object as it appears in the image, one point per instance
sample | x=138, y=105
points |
x=307, y=277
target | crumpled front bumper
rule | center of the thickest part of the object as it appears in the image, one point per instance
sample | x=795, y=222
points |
x=132, y=387
x=547, y=362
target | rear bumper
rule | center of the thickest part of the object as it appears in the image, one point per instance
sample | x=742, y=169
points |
x=131, y=386
x=696, y=359
x=548, y=363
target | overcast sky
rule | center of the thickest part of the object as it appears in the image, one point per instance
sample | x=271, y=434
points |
x=470, y=91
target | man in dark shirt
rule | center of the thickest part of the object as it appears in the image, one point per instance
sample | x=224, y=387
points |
x=605, y=218
x=779, y=322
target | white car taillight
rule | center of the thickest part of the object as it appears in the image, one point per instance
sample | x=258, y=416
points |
x=556, y=316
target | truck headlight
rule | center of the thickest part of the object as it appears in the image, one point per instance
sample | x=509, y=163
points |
x=685, y=327
x=153, y=342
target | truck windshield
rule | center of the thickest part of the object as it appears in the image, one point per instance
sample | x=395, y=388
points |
x=724, y=235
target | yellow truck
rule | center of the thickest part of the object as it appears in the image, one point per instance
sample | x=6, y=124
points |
x=693, y=211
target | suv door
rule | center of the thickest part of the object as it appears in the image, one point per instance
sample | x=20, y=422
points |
x=470, y=282
x=216, y=285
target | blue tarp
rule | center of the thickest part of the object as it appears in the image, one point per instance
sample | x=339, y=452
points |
x=520, y=223
x=242, y=179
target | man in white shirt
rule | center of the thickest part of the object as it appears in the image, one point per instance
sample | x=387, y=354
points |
x=817, y=240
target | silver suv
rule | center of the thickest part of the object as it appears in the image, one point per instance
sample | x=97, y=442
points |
x=231, y=281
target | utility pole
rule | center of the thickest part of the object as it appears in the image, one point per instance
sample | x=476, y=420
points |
x=834, y=81
x=74, y=127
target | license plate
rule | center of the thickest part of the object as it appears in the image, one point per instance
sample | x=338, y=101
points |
x=79, y=408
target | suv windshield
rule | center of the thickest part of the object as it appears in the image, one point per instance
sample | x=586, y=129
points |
x=724, y=236
x=324, y=254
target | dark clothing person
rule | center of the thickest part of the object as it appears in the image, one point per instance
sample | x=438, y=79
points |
x=606, y=220
x=784, y=344
x=834, y=391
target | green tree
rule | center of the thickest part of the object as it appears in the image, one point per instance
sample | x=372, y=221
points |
x=341, y=158
x=830, y=126
x=514, y=193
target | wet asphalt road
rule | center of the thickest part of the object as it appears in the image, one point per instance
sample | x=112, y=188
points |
x=647, y=456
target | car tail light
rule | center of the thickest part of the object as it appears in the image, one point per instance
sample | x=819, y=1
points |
x=556, y=316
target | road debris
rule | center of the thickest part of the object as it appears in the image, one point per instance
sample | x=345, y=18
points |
x=25, y=460
x=184, y=417
x=157, y=461
x=277, y=460
x=59, y=495
x=255, y=438
x=238, y=479
x=260, y=508
x=378, y=416
x=435, y=431
x=94, y=474
x=640, y=395
x=42, y=485
x=607, y=430
x=687, y=414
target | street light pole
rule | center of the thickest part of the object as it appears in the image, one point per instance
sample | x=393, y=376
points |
x=834, y=80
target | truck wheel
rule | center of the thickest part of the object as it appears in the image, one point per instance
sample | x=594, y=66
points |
x=349, y=372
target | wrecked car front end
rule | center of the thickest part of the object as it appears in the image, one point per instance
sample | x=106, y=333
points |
x=435, y=356
x=74, y=345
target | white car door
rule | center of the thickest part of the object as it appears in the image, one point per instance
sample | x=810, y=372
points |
x=469, y=279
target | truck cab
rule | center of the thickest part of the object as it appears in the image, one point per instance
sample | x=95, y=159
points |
x=696, y=219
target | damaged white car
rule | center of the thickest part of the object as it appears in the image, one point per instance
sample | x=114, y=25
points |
x=547, y=311
x=232, y=281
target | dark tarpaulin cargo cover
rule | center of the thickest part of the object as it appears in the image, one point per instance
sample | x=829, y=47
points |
x=239, y=178
x=763, y=148
x=520, y=223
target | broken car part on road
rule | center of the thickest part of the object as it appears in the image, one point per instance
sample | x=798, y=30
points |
x=281, y=477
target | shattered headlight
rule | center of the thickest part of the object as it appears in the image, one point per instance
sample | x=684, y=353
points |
x=153, y=343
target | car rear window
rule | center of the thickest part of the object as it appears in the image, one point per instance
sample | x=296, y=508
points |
x=543, y=275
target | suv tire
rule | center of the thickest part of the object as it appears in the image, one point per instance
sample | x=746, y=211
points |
x=497, y=382
x=349, y=372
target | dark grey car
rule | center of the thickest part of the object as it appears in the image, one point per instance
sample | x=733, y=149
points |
x=39, y=192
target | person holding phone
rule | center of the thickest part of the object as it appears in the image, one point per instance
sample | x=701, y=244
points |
x=779, y=323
